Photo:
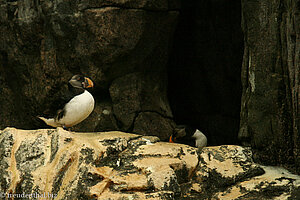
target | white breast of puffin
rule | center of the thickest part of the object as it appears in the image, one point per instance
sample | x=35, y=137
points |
x=78, y=109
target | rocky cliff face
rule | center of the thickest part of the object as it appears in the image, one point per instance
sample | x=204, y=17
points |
x=117, y=165
x=121, y=45
x=270, y=77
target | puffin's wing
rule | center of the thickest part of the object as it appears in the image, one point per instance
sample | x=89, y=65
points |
x=57, y=104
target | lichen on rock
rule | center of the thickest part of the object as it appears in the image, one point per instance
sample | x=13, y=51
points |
x=118, y=165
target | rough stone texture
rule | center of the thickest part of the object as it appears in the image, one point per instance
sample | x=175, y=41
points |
x=43, y=43
x=118, y=165
x=144, y=125
x=270, y=78
x=134, y=97
x=276, y=183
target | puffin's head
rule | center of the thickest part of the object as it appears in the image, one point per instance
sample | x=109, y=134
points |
x=179, y=132
x=188, y=135
x=79, y=81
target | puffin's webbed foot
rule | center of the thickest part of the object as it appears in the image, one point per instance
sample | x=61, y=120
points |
x=67, y=128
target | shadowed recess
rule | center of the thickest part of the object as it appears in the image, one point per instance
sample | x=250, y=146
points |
x=205, y=68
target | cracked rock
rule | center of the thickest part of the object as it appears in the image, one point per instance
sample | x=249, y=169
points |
x=119, y=165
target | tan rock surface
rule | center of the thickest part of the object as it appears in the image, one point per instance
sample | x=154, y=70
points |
x=117, y=165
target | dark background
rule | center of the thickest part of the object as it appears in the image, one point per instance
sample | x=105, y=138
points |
x=204, y=69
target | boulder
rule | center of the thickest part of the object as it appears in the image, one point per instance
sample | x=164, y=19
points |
x=135, y=95
x=54, y=163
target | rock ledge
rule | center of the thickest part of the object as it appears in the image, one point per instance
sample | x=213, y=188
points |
x=118, y=165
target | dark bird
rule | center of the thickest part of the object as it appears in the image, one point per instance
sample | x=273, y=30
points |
x=188, y=135
x=74, y=105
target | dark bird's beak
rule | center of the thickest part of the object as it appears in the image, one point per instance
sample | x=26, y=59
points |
x=88, y=83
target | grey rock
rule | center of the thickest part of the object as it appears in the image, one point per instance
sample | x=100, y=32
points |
x=144, y=124
x=6, y=148
x=31, y=154
x=136, y=93
x=270, y=100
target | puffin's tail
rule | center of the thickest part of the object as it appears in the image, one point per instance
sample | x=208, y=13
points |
x=50, y=122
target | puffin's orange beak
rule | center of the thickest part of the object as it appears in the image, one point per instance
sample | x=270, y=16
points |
x=88, y=83
x=171, y=139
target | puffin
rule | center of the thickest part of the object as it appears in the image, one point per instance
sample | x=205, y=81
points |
x=186, y=134
x=74, y=105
